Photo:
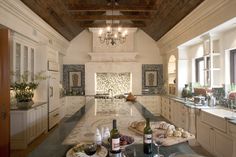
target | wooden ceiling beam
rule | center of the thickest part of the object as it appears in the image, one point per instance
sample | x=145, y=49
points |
x=151, y=2
x=130, y=8
x=110, y=17
x=94, y=25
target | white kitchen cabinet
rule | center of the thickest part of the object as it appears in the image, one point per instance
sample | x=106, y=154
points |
x=152, y=103
x=74, y=104
x=181, y=116
x=26, y=125
x=178, y=114
x=54, y=118
x=212, y=67
x=62, y=107
x=223, y=144
x=213, y=135
x=232, y=132
x=23, y=57
x=165, y=108
x=205, y=136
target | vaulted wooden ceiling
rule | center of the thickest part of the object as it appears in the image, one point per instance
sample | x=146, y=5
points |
x=70, y=17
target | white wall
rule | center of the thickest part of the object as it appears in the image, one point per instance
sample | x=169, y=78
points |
x=147, y=49
x=16, y=16
x=80, y=46
x=142, y=44
x=205, y=17
x=228, y=42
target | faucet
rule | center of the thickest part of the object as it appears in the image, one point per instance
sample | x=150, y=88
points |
x=110, y=93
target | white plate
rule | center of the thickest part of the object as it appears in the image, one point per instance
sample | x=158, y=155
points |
x=100, y=153
x=183, y=155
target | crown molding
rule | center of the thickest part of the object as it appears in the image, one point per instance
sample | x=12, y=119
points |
x=20, y=11
x=199, y=21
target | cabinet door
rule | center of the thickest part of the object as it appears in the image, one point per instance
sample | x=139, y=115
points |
x=223, y=145
x=45, y=117
x=205, y=136
x=53, y=91
x=38, y=113
x=158, y=105
x=31, y=125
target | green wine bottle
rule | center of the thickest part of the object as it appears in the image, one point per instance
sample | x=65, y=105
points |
x=115, y=139
x=147, y=138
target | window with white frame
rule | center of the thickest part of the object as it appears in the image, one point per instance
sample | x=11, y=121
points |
x=199, y=68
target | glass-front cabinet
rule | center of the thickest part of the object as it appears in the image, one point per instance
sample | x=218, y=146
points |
x=22, y=57
x=212, y=64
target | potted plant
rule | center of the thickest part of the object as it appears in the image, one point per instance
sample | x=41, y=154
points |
x=24, y=90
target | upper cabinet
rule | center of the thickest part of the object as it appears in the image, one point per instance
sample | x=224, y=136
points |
x=22, y=57
x=172, y=75
x=212, y=61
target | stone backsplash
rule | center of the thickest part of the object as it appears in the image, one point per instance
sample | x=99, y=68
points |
x=119, y=83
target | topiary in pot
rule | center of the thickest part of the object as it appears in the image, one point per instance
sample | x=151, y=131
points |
x=24, y=90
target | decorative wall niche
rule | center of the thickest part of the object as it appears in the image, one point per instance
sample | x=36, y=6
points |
x=152, y=79
x=74, y=79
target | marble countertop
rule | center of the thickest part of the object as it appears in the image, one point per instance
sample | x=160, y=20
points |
x=36, y=104
x=189, y=104
x=225, y=113
x=99, y=114
x=219, y=111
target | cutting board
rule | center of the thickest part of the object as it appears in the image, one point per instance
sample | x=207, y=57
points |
x=168, y=140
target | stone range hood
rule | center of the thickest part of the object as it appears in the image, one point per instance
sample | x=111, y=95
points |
x=113, y=57
x=120, y=58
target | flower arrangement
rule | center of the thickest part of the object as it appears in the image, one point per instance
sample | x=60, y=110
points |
x=24, y=90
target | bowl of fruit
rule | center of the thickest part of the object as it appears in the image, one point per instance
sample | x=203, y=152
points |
x=126, y=141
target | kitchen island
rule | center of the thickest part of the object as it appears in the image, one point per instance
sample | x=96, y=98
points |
x=96, y=114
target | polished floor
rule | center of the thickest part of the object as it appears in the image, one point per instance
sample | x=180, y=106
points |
x=51, y=143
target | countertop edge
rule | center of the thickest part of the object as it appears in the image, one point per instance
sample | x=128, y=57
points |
x=36, y=104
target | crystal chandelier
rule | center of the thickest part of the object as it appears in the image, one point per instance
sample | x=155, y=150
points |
x=112, y=35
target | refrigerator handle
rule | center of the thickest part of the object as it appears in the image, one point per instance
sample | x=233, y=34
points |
x=50, y=91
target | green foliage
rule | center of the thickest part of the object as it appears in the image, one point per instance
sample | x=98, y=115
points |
x=232, y=87
x=24, y=90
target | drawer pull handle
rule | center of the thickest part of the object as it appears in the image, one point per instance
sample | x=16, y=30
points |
x=56, y=115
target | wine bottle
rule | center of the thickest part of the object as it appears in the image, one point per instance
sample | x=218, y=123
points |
x=115, y=139
x=147, y=138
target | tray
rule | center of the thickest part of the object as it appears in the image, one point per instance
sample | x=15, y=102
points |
x=168, y=140
x=101, y=152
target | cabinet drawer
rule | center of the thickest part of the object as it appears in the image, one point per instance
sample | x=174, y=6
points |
x=232, y=129
x=54, y=118
x=217, y=122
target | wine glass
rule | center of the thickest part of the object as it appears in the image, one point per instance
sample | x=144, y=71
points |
x=158, y=142
x=90, y=149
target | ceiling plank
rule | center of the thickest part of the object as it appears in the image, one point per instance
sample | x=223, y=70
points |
x=110, y=17
x=70, y=17
x=94, y=7
x=173, y=12
x=103, y=24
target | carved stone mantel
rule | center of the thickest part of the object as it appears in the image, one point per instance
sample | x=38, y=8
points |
x=113, y=56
